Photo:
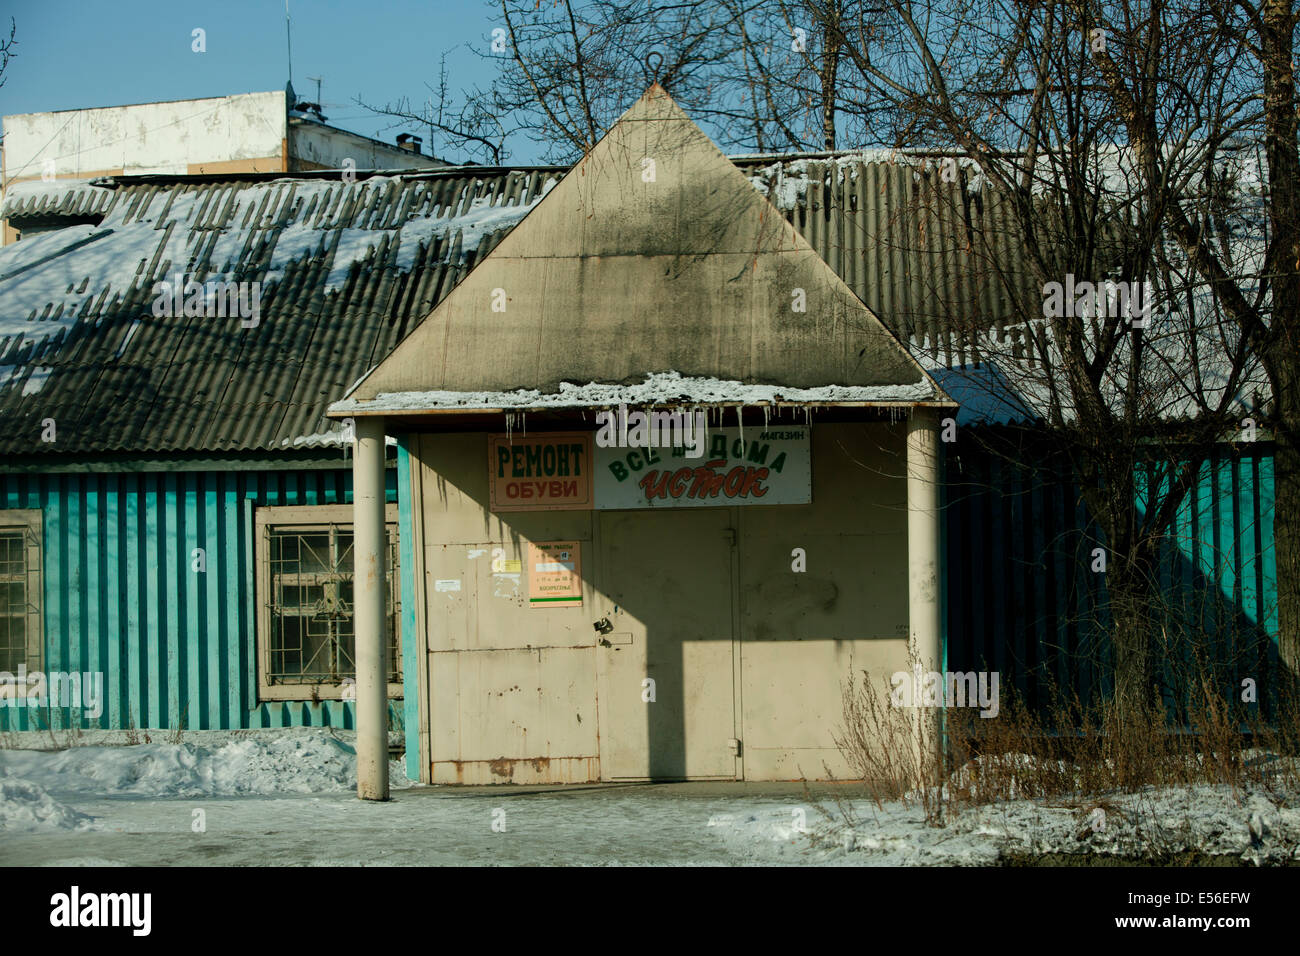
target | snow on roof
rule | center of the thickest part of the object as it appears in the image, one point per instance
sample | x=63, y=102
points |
x=658, y=388
x=331, y=439
x=36, y=197
x=1185, y=370
x=344, y=269
x=785, y=181
x=58, y=287
x=44, y=288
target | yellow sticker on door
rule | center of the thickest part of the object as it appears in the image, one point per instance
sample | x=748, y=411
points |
x=554, y=574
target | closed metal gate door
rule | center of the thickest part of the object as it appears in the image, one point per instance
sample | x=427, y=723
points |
x=665, y=653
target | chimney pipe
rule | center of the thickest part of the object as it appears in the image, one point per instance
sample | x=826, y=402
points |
x=407, y=141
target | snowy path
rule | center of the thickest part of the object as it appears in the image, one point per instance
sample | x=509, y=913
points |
x=418, y=827
x=288, y=798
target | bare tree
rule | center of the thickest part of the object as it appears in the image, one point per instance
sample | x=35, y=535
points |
x=1104, y=142
x=7, y=45
x=1270, y=317
x=1261, y=297
x=568, y=72
x=472, y=121
x=1024, y=96
x=756, y=74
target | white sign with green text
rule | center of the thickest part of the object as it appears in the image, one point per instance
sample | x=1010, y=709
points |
x=768, y=466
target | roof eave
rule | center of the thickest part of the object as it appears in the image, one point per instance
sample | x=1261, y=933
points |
x=348, y=408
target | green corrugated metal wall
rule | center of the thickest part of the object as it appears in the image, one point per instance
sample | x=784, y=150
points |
x=1022, y=598
x=411, y=649
x=176, y=646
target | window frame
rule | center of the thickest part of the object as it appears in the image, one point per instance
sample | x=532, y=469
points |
x=30, y=522
x=313, y=518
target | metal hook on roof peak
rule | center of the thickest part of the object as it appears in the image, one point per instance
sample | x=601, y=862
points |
x=654, y=70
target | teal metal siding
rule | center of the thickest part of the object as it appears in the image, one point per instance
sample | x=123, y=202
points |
x=176, y=646
x=178, y=649
x=1022, y=598
x=410, y=648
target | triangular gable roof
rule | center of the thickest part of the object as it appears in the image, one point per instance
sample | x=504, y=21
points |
x=653, y=255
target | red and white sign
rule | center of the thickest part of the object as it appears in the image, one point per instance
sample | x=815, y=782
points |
x=548, y=471
x=769, y=466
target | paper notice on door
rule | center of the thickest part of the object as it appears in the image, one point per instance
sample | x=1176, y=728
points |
x=554, y=574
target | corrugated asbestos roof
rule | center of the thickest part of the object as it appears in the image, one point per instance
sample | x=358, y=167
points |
x=346, y=270
x=903, y=240
x=70, y=198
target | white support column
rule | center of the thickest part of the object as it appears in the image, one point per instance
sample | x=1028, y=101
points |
x=369, y=597
x=923, y=577
x=923, y=536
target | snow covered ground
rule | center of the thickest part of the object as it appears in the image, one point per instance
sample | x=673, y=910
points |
x=285, y=797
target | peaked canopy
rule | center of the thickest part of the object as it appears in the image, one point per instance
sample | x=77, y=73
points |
x=653, y=255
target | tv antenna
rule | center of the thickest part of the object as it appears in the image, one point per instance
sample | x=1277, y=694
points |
x=288, y=38
x=317, y=79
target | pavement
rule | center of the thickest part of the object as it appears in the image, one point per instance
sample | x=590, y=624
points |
x=661, y=824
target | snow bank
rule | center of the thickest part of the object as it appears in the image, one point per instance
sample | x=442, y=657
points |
x=1205, y=819
x=270, y=762
x=27, y=806
x=1252, y=825
x=767, y=833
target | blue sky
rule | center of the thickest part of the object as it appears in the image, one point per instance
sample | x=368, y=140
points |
x=96, y=53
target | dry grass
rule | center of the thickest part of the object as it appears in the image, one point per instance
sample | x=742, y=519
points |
x=894, y=751
x=44, y=721
x=176, y=734
x=1067, y=751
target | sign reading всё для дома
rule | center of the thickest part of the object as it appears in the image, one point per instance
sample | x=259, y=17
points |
x=770, y=466
x=547, y=471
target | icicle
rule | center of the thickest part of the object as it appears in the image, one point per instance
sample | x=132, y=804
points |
x=740, y=420
x=766, y=407
x=523, y=419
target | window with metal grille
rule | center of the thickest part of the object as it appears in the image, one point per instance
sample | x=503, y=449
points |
x=20, y=590
x=308, y=641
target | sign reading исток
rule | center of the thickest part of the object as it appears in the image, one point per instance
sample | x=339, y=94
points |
x=552, y=471
x=768, y=466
